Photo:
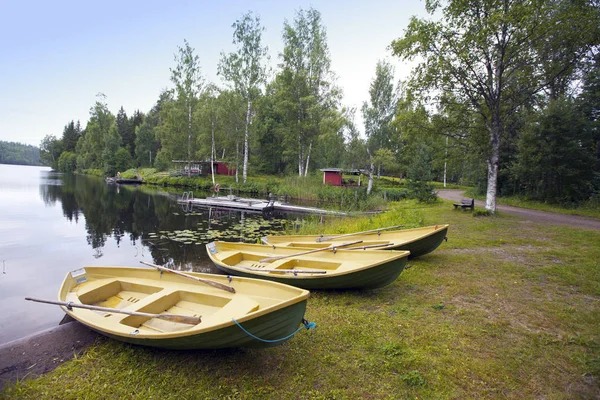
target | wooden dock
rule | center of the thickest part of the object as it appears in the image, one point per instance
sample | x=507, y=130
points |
x=259, y=205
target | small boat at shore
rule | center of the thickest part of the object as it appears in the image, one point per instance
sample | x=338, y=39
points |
x=348, y=266
x=123, y=181
x=154, y=308
x=418, y=241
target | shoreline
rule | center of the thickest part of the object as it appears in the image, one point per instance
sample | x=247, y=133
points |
x=43, y=351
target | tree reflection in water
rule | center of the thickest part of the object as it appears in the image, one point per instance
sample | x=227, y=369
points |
x=151, y=220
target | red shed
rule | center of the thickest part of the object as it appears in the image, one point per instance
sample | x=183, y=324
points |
x=332, y=176
x=222, y=168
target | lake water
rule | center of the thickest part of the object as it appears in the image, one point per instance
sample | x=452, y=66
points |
x=51, y=224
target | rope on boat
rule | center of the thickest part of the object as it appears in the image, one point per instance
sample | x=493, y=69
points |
x=307, y=325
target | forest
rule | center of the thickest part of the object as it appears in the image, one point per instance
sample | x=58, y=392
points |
x=505, y=97
x=18, y=153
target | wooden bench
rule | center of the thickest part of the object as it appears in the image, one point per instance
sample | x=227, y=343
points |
x=465, y=203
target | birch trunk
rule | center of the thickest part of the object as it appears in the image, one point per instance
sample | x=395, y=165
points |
x=189, y=138
x=492, y=166
x=212, y=151
x=237, y=155
x=307, y=159
x=245, y=172
x=371, y=171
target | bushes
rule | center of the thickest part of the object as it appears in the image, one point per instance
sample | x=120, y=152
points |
x=421, y=190
x=123, y=160
x=67, y=162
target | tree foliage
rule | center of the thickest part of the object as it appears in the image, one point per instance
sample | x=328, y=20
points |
x=245, y=70
x=504, y=94
x=20, y=154
x=304, y=86
x=556, y=155
x=495, y=55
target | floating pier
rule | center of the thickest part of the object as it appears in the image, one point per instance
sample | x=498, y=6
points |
x=259, y=205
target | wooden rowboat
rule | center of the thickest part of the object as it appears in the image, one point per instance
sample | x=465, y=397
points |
x=418, y=241
x=309, y=269
x=258, y=314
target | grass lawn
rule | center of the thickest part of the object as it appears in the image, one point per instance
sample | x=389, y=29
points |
x=504, y=309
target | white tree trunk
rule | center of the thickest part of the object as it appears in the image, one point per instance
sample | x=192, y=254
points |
x=189, y=138
x=371, y=171
x=446, y=162
x=237, y=155
x=307, y=159
x=492, y=167
x=245, y=172
x=212, y=151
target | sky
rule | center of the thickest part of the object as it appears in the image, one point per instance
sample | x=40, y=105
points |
x=56, y=56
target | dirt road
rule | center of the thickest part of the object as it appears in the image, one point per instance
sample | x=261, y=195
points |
x=532, y=215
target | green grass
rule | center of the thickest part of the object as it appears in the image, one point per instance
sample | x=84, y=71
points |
x=504, y=309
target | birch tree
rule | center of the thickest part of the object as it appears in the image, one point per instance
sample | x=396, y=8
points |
x=189, y=83
x=378, y=114
x=245, y=69
x=307, y=80
x=492, y=55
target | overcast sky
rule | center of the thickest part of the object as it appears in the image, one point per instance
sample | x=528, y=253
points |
x=57, y=55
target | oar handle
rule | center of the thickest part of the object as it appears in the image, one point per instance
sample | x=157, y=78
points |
x=326, y=238
x=206, y=281
x=332, y=247
x=169, y=317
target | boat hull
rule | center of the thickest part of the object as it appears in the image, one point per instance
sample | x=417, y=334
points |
x=337, y=274
x=376, y=277
x=418, y=241
x=269, y=314
x=270, y=328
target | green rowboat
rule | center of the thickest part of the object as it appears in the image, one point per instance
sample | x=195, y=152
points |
x=418, y=241
x=309, y=269
x=259, y=314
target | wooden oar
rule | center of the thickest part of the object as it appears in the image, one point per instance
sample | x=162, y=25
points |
x=332, y=247
x=206, y=281
x=288, y=271
x=184, y=319
x=325, y=238
x=370, y=246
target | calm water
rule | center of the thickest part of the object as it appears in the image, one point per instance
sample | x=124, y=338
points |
x=51, y=224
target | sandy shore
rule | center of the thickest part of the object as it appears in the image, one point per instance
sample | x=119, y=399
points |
x=44, y=351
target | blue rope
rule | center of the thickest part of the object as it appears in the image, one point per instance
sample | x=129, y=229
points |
x=307, y=325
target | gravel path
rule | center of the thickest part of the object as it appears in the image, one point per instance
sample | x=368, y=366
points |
x=525, y=213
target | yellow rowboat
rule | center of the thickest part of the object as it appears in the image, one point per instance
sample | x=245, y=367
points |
x=310, y=269
x=418, y=241
x=160, y=309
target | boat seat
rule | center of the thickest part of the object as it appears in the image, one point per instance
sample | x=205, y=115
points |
x=238, y=307
x=114, y=293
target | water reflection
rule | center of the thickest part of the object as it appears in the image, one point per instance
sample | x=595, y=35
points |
x=150, y=220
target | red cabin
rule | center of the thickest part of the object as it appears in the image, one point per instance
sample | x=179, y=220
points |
x=203, y=167
x=222, y=168
x=332, y=176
